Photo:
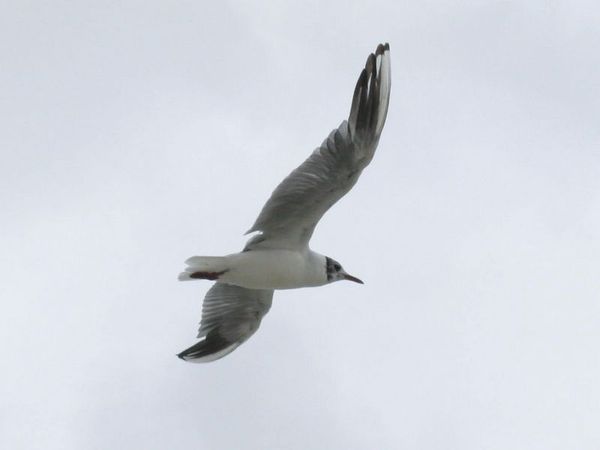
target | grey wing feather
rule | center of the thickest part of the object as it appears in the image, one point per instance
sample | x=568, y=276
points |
x=289, y=217
x=230, y=315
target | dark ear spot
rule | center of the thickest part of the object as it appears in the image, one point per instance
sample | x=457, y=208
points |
x=329, y=268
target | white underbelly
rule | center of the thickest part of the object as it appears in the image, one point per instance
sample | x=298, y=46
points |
x=273, y=269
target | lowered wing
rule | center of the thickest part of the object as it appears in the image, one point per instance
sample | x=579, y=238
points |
x=230, y=315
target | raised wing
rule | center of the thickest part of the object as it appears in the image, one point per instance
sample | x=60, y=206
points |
x=230, y=315
x=289, y=217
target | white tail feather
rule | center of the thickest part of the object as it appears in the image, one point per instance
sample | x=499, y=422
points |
x=203, y=264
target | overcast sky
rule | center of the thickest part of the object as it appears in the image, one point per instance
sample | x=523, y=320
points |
x=135, y=134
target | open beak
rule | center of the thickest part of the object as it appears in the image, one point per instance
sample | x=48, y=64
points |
x=351, y=278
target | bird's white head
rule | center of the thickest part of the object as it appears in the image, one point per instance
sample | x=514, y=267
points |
x=335, y=272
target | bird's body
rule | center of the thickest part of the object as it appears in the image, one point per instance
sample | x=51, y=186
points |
x=264, y=269
x=279, y=256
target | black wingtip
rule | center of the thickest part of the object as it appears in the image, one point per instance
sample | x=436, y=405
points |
x=212, y=347
x=186, y=354
x=370, y=65
x=193, y=352
x=382, y=48
x=369, y=108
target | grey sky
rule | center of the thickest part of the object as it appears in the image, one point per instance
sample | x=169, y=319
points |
x=136, y=134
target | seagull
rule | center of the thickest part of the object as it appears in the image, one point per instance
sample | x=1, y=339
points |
x=279, y=256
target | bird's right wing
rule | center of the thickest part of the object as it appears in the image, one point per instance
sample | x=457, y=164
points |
x=230, y=315
x=291, y=214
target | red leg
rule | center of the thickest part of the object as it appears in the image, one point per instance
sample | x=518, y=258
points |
x=206, y=275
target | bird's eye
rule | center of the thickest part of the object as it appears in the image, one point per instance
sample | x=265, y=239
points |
x=337, y=267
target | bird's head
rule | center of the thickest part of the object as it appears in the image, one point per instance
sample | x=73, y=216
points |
x=335, y=272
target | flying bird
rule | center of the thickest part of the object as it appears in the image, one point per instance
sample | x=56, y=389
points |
x=278, y=256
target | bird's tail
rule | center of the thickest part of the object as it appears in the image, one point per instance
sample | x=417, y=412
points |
x=204, y=268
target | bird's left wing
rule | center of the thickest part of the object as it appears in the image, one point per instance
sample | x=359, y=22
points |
x=291, y=214
x=230, y=315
